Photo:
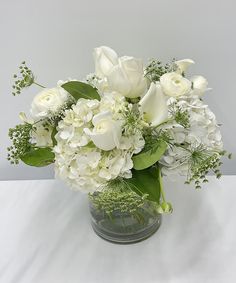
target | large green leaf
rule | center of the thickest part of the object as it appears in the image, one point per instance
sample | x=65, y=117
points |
x=38, y=157
x=146, y=182
x=147, y=158
x=81, y=90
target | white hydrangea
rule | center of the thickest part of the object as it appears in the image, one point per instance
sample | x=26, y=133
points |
x=203, y=130
x=78, y=161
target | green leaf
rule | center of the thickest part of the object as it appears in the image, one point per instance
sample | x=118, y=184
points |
x=146, y=182
x=147, y=158
x=81, y=90
x=38, y=157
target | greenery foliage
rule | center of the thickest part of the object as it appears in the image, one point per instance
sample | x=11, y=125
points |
x=201, y=161
x=146, y=181
x=81, y=90
x=23, y=149
x=20, y=137
x=149, y=156
x=38, y=157
x=180, y=115
x=117, y=196
x=24, y=79
x=155, y=69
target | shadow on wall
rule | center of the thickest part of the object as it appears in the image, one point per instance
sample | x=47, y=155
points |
x=24, y=172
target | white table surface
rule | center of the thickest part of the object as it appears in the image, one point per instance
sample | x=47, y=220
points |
x=45, y=236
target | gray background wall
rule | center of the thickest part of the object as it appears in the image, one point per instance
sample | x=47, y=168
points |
x=56, y=38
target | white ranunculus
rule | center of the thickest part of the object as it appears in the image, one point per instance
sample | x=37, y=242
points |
x=199, y=85
x=105, y=59
x=127, y=77
x=153, y=105
x=183, y=65
x=106, y=133
x=173, y=84
x=47, y=102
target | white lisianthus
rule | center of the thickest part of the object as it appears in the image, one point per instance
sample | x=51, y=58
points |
x=182, y=65
x=47, y=102
x=153, y=105
x=199, y=85
x=127, y=77
x=106, y=133
x=173, y=84
x=105, y=59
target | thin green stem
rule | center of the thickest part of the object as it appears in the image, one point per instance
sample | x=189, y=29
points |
x=39, y=84
x=161, y=186
x=163, y=123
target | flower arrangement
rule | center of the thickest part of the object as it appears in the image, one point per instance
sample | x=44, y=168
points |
x=116, y=133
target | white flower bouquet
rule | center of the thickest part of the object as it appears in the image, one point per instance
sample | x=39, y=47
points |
x=115, y=134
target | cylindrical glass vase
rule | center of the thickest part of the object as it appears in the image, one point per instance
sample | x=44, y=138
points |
x=126, y=227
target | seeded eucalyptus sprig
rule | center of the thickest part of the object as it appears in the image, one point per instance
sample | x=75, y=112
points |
x=24, y=79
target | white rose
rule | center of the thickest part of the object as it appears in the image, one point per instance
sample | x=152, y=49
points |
x=199, y=85
x=47, y=102
x=106, y=133
x=105, y=59
x=183, y=65
x=173, y=84
x=153, y=105
x=127, y=77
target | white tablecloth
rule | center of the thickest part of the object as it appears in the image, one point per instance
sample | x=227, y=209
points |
x=45, y=236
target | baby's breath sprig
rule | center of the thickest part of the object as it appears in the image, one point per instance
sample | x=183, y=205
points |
x=20, y=136
x=155, y=69
x=24, y=79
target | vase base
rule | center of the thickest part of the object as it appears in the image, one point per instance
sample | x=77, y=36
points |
x=127, y=238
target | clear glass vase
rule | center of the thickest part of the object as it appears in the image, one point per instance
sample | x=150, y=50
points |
x=125, y=227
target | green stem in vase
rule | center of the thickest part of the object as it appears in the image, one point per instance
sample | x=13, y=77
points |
x=161, y=186
x=165, y=207
x=123, y=222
